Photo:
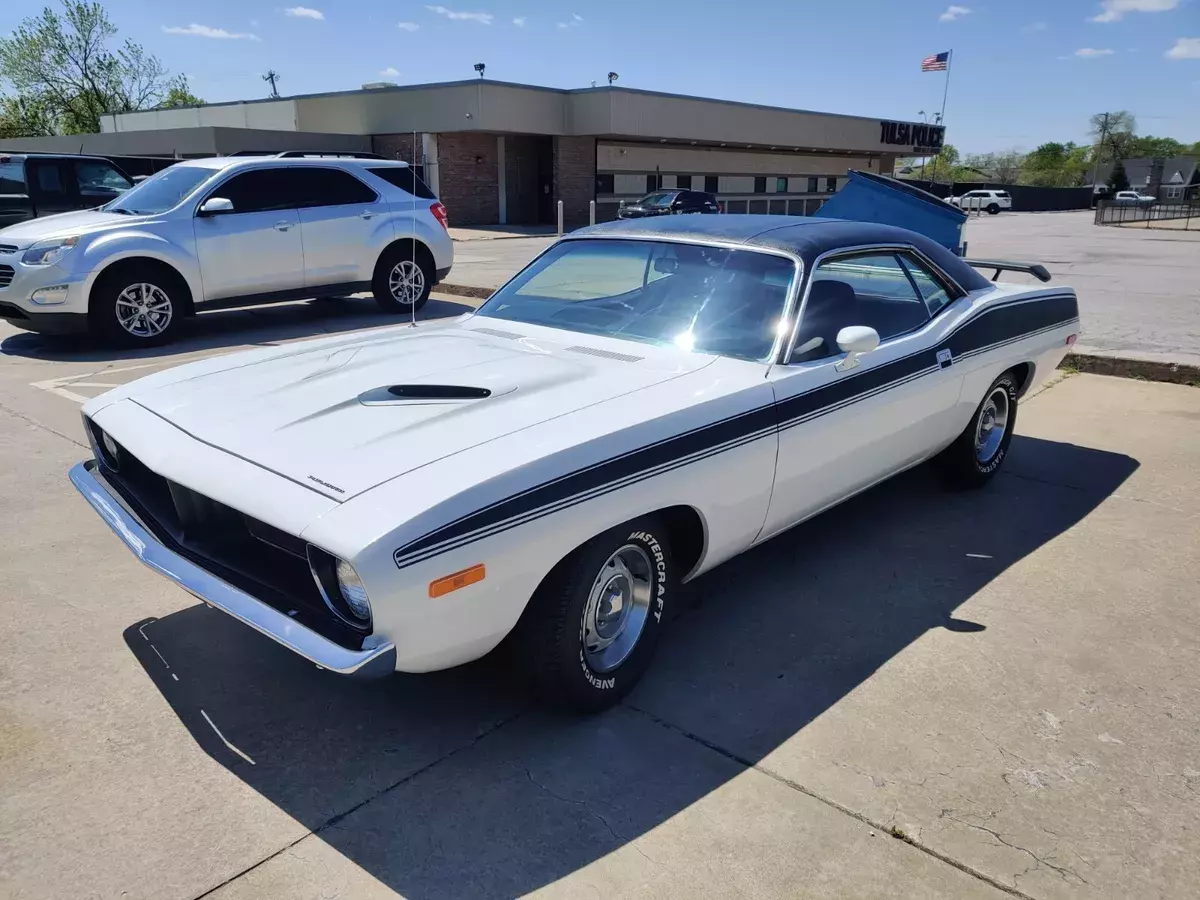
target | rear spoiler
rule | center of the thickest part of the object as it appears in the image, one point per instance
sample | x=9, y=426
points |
x=1035, y=269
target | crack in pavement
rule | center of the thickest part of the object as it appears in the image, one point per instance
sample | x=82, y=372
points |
x=1062, y=871
x=36, y=424
x=338, y=817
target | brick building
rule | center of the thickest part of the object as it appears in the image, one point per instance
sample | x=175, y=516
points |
x=500, y=153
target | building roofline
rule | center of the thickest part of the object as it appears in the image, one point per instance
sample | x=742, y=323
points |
x=528, y=87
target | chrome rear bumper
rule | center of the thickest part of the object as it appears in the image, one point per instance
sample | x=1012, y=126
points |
x=372, y=662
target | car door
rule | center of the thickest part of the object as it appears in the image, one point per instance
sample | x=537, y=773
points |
x=256, y=247
x=52, y=186
x=340, y=218
x=847, y=423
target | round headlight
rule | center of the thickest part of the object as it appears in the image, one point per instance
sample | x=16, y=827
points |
x=353, y=591
x=112, y=450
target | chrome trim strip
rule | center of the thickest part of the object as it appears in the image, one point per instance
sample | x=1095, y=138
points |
x=374, y=662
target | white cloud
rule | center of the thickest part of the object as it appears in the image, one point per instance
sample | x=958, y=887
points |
x=1090, y=53
x=576, y=21
x=205, y=31
x=1035, y=26
x=954, y=12
x=1114, y=10
x=577, y=17
x=519, y=21
x=390, y=72
x=1185, y=48
x=407, y=26
x=481, y=17
x=303, y=12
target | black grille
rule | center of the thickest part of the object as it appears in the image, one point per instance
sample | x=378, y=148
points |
x=261, y=560
x=6, y=276
x=8, y=248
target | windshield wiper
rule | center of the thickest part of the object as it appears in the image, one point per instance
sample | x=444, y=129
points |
x=122, y=210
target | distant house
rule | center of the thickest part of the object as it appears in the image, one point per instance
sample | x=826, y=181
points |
x=1171, y=178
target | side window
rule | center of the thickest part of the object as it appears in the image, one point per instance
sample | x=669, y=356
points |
x=12, y=177
x=100, y=179
x=47, y=178
x=871, y=289
x=260, y=190
x=332, y=187
x=933, y=292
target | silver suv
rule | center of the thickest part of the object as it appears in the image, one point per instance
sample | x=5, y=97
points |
x=232, y=230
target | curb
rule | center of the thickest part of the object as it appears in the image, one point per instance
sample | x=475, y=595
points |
x=1122, y=367
x=463, y=290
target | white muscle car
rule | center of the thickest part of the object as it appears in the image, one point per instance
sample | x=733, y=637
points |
x=643, y=401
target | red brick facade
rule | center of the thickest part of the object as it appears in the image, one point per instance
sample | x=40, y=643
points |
x=396, y=146
x=574, y=178
x=469, y=178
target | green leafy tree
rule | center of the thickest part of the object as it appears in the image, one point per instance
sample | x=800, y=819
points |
x=180, y=94
x=66, y=64
x=1148, y=145
x=1118, y=180
x=21, y=117
x=1055, y=165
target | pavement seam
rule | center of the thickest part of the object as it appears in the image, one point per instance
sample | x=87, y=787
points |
x=833, y=804
x=338, y=817
x=36, y=424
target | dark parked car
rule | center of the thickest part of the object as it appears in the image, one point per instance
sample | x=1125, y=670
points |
x=41, y=184
x=666, y=203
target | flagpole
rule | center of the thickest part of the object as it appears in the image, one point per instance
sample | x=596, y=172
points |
x=942, y=114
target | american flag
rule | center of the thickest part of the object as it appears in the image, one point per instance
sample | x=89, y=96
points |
x=937, y=63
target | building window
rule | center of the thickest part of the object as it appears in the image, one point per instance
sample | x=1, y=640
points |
x=781, y=185
x=1174, y=193
x=710, y=183
x=830, y=185
x=760, y=184
x=606, y=184
x=683, y=182
x=812, y=185
x=651, y=183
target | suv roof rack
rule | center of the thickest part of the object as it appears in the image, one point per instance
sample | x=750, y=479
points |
x=302, y=154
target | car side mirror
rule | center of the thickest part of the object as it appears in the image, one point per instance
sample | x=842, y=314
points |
x=214, y=206
x=855, y=340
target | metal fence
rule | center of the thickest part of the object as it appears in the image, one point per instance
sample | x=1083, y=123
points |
x=1109, y=213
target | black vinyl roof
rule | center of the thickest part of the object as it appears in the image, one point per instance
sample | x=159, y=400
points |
x=807, y=237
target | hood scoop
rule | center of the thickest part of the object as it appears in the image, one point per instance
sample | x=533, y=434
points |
x=426, y=393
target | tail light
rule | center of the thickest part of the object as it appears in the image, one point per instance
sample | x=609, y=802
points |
x=439, y=213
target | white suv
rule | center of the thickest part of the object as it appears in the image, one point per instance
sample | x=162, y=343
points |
x=989, y=201
x=229, y=230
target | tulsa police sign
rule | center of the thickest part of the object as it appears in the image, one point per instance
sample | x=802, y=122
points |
x=906, y=134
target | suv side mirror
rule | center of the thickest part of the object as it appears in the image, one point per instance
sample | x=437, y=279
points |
x=855, y=340
x=214, y=206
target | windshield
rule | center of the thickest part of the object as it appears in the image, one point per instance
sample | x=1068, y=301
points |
x=658, y=198
x=691, y=296
x=162, y=191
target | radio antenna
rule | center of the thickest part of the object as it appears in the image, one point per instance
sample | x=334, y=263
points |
x=412, y=224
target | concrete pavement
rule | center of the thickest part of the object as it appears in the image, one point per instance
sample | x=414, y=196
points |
x=1005, y=679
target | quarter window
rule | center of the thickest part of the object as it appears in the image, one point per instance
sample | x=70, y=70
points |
x=932, y=291
x=406, y=179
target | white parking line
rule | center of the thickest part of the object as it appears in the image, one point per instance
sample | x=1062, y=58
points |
x=58, y=387
x=226, y=742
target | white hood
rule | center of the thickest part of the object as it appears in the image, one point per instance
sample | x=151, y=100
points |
x=300, y=414
x=86, y=221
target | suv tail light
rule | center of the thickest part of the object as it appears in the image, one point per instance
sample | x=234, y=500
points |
x=439, y=213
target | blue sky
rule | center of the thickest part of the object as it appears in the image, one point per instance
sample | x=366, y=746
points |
x=1025, y=71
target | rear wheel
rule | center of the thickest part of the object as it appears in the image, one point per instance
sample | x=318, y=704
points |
x=589, y=632
x=403, y=279
x=993, y=208
x=977, y=454
x=137, y=306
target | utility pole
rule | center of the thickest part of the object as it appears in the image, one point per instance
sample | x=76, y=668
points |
x=1099, y=150
x=272, y=77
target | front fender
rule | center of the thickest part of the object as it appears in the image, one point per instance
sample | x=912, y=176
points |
x=107, y=249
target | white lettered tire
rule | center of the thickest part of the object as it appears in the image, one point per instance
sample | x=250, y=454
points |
x=589, y=632
x=979, y=452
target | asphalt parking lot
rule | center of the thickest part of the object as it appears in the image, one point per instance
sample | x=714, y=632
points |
x=918, y=694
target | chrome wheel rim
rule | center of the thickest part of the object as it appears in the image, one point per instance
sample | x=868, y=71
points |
x=617, y=607
x=992, y=424
x=144, y=310
x=406, y=282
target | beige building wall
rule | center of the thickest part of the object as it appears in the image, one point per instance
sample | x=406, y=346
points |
x=617, y=157
x=279, y=115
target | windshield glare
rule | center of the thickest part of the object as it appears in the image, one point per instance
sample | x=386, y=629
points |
x=162, y=191
x=658, y=198
x=691, y=296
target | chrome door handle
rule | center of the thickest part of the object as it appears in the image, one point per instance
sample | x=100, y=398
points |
x=366, y=214
x=282, y=226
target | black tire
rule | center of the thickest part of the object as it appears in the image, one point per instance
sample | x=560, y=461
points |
x=993, y=208
x=398, y=255
x=549, y=640
x=964, y=464
x=167, y=292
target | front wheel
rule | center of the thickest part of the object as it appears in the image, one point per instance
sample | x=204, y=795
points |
x=589, y=632
x=403, y=279
x=993, y=208
x=136, y=307
x=977, y=454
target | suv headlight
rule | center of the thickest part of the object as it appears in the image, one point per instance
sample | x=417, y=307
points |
x=47, y=253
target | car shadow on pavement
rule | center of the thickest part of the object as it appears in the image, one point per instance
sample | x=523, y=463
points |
x=233, y=328
x=454, y=784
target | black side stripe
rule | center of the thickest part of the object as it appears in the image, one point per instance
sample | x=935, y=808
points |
x=991, y=328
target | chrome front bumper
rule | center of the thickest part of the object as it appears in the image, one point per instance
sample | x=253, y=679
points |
x=373, y=662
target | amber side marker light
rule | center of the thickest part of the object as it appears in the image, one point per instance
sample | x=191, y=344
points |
x=453, y=582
